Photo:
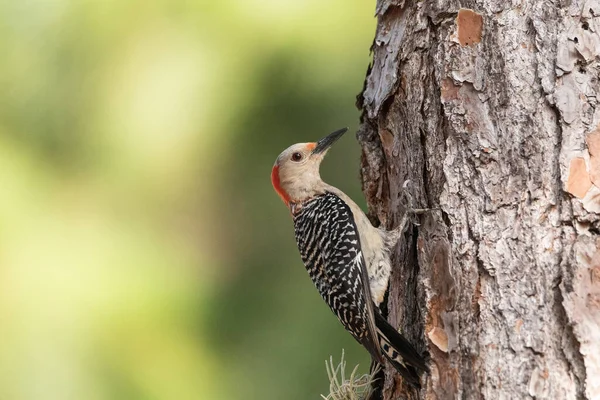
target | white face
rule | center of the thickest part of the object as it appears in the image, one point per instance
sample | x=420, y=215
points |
x=295, y=175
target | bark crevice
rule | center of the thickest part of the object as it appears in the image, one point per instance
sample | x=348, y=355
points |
x=571, y=348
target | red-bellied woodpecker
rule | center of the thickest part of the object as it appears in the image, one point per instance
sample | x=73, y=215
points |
x=347, y=258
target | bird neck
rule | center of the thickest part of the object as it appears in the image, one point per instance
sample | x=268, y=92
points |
x=276, y=181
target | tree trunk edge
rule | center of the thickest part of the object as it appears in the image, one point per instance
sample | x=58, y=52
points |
x=501, y=286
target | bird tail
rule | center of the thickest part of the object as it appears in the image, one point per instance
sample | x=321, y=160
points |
x=399, y=352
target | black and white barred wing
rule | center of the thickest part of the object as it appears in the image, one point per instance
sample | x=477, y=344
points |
x=329, y=245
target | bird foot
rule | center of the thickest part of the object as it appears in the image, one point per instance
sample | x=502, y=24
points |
x=418, y=211
x=410, y=212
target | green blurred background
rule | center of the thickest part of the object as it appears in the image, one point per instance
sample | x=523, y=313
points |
x=143, y=252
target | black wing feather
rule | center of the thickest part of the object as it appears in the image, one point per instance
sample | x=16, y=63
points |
x=330, y=248
x=329, y=245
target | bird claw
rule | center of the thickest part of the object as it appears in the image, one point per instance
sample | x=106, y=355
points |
x=419, y=211
x=410, y=202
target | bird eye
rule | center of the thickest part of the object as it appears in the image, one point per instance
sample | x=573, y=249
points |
x=297, y=157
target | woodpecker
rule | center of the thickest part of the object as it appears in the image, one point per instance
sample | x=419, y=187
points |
x=346, y=257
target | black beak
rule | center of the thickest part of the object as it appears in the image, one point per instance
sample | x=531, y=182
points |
x=327, y=141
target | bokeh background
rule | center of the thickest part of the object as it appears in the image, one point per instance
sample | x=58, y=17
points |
x=143, y=252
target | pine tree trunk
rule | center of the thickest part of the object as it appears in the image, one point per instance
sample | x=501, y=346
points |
x=492, y=115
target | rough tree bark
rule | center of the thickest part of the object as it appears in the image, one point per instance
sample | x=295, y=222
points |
x=490, y=109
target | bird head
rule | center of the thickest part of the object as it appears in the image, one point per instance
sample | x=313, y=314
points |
x=295, y=175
